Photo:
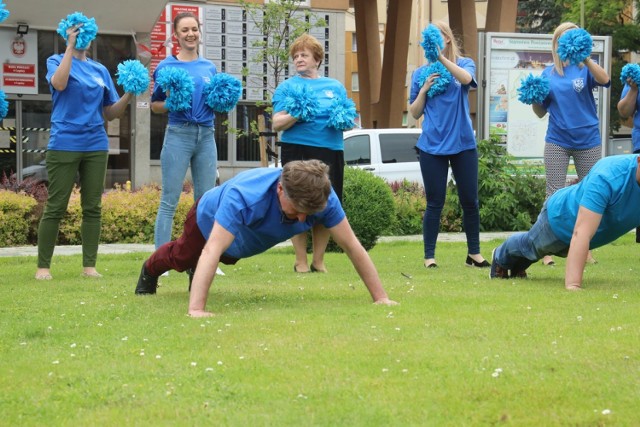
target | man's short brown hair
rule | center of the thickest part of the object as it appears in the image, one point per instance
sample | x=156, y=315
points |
x=306, y=183
x=307, y=41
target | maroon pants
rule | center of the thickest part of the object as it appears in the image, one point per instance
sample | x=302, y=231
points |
x=184, y=253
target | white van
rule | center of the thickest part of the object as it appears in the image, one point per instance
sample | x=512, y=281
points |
x=388, y=153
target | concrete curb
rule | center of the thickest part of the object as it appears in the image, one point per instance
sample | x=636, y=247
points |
x=124, y=248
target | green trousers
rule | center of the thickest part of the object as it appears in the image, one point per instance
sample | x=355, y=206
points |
x=62, y=168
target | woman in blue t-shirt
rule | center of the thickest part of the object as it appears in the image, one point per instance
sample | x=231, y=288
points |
x=573, y=129
x=629, y=106
x=447, y=139
x=83, y=95
x=189, y=136
x=311, y=139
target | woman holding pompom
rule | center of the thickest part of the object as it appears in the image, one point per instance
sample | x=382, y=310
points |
x=447, y=137
x=306, y=109
x=629, y=106
x=573, y=129
x=83, y=95
x=189, y=136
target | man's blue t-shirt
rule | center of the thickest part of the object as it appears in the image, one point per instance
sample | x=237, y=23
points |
x=635, y=133
x=446, y=127
x=201, y=70
x=247, y=206
x=317, y=132
x=77, y=123
x=573, y=119
x=610, y=189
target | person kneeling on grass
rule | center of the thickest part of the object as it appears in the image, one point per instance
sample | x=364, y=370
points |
x=249, y=214
x=596, y=211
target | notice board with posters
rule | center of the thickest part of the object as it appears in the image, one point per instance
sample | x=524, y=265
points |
x=506, y=58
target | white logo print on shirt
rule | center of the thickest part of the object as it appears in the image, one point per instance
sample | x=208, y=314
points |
x=578, y=84
x=99, y=80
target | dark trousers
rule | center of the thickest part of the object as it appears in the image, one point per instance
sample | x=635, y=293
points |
x=182, y=254
x=435, y=170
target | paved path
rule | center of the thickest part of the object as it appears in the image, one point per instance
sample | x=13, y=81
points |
x=123, y=248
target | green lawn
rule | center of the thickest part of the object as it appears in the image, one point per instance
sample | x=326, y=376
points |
x=289, y=349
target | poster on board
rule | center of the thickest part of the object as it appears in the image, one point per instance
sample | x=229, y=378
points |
x=501, y=116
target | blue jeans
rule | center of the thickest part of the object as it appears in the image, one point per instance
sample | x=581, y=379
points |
x=184, y=144
x=521, y=250
x=435, y=172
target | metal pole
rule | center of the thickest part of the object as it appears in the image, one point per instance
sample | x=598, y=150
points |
x=581, y=13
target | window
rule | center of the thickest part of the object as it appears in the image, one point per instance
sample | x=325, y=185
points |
x=354, y=43
x=355, y=82
x=399, y=147
x=357, y=150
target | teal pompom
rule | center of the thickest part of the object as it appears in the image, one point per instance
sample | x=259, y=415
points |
x=179, y=84
x=133, y=76
x=343, y=113
x=533, y=89
x=86, y=32
x=301, y=102
x=223, y=92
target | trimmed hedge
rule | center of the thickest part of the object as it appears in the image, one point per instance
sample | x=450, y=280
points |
x=16, y=217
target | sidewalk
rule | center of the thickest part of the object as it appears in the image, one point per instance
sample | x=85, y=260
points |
x=124, y=248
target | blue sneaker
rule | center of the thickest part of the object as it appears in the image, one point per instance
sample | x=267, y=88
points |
x=496, y=271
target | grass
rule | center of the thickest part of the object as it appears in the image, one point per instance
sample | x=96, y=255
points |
x=291, y=349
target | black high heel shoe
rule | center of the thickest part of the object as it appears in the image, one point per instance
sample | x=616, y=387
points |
x=470, y=262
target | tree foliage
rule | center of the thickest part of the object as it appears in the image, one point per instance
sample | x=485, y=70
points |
x=540, y=17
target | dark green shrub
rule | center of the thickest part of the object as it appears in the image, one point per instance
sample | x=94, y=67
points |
x=16, y=217
x=368, y=203
x=510, y=197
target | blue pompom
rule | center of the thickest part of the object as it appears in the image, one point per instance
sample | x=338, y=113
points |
x=575, y=46
x=222, y=92
x=4, y=105
x=432, y=42
x=301, y=102
x=133, y=76
x=343, y=113
x=87, y=32
x=630, y=71
x=533, y=89
x=4, y=13
x=441, y=84
x=179, y=84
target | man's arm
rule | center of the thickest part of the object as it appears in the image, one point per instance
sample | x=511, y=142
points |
x=586, y=225
x=347, y=240
x=219, y=240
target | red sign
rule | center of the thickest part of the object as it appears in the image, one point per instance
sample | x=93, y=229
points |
x=175, y=10
x=19, y=68
x=19, y=81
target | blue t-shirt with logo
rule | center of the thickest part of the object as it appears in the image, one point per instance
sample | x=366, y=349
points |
x=201, y=70
x=77, y=123
x=446, y=127
x=573, y=118
x=610, y=189
x=247, y=206
x=316, y=132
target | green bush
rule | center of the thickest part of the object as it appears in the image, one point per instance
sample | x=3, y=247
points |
x=510, y=197
x=369, y=206
x=16, y=217
x=127, y=216
x=409, y=206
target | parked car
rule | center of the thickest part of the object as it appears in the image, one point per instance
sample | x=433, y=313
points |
x=388, y=153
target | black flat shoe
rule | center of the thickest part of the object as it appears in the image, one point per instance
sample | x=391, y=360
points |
x=317, y=270
x=473, y=263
